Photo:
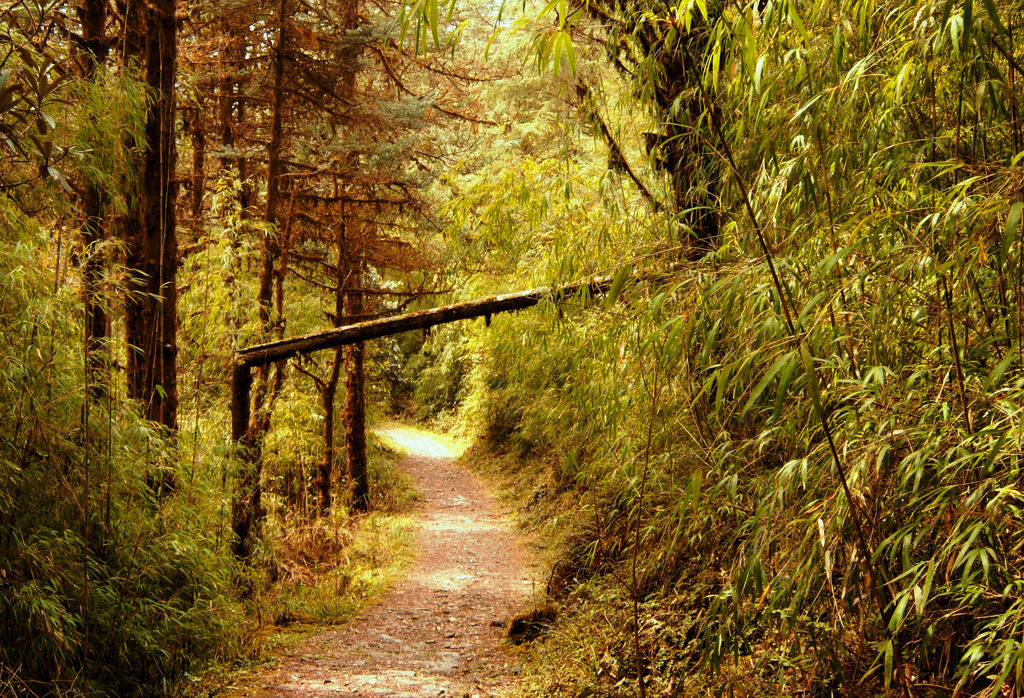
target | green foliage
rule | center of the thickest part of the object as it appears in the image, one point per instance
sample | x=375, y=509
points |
x=438, y=373
x=31, y=86
x=874, y=148
x=111, y=117
x=103, y=589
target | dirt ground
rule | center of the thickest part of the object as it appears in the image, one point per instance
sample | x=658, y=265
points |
x=437, y=633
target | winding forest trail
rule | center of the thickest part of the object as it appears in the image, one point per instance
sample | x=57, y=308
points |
x=437, y=632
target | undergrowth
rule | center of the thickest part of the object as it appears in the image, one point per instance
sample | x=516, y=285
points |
x=324, y=570
x=791, y=462
x=322, y=573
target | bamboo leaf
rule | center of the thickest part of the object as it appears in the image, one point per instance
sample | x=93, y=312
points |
x=794, y=19
x=618, y=283
x=1010, y=231
x=990, y=459
x=812, y=380
x=995, y=376
x=808, y=307
x=58, y=176
x=804, y=107
x=888, y=663
x=956, y=26
x=784, y=379
x=755, y=395
x=723, y=381
x=570, y=54
x=672, y=342
x=922, y=600
x=433, y=21
x=556, y=52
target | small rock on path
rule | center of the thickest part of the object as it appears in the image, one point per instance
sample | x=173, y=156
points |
x=438, y=632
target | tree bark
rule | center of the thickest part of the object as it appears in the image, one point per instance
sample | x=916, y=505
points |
x=247, y=511
x=349, y=282
x=329, y=389
x=325, y=468
x=355, y=397
x=93, y=16
x=149, y=228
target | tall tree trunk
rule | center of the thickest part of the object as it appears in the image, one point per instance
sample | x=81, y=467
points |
x=329, y=390
x=226, y=102
x=352, y=306
x=247, y=511
x=231, y=111
x=149, y=235
x=689, y=161
x=93, y=16
x=355, y=396
x=325, y=468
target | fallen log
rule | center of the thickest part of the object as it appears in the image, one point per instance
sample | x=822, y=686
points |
x=264, y=354
x=271, y=352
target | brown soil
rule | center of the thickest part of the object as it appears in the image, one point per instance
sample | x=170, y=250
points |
x=438, y=632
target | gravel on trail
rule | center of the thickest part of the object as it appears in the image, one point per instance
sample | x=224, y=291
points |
x=438, y=631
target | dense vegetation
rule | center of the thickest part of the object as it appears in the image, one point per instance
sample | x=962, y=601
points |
x=795, y=459
x=781, y=455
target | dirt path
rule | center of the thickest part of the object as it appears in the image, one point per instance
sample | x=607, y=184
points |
x=437, y=632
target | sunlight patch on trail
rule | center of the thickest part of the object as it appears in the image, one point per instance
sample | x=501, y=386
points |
x=419, y=442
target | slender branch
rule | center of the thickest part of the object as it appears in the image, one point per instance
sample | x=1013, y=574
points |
x=585, y=93
x=960, y=383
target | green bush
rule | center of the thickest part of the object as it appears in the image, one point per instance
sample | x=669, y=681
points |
x=103, y=586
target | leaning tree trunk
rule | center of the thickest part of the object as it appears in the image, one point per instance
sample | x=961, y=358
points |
x=151, y=248
x=355, y=398
x=352, y=336
x=271, y=352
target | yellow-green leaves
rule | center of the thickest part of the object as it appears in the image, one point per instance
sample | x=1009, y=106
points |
x=552, y=47
x=906, y=72
x=552, y=44
x=422, y=20
x=684, y=11
x=784, y=366
x=1010, y=231
x=812, y=380
x=618, y=283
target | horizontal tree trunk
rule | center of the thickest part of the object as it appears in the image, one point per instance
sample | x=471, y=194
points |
x=263, y=354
